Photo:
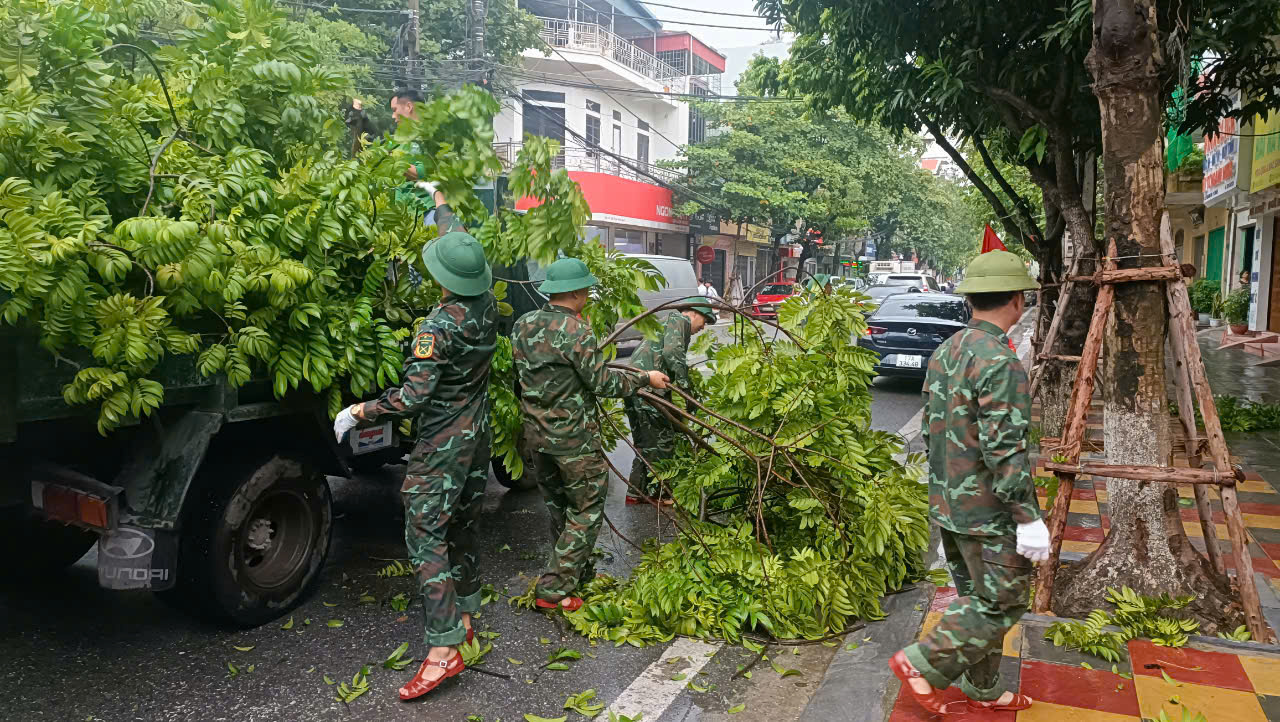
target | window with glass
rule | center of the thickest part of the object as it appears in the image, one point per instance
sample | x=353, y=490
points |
x=629, y=241
x=642, y=148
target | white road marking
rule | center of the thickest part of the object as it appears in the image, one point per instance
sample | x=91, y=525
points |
x=653, y=691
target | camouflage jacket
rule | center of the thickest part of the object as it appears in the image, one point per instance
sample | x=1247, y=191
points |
x=976, y=414
x=561, y=371
x=446, y=374
x=669, y=353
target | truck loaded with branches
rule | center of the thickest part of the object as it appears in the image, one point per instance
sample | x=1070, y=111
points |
x=196, y=274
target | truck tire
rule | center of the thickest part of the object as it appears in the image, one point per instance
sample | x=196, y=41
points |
x=32, y=544
x=254, y=540
x=524, y=483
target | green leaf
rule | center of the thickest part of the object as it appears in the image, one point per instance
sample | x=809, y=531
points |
x=514, y=661
x=232, y=669
x=328, y=680
x=737, y=708
x=558, y=667
x=677, y=677
x=535, y=718
x=287, y=625
x=243, y=649
x=1169, y=679
x=335, y=623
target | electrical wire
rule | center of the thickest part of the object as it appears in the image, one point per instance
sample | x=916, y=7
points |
x=599, y=14
x=615, y=100
x=696, y=10
x=339, y=8
x=623, y=160
x=553, y=78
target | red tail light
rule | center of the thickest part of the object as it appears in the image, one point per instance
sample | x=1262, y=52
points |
x=876, y=330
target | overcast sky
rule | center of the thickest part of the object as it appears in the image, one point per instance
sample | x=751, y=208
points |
x=718, y=38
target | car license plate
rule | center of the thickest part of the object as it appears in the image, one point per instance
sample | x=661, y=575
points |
x=907, y=361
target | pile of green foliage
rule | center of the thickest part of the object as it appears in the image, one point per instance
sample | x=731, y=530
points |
x=809, y=520
x=1203, y=293
x=1136, y=616
x=205, y=212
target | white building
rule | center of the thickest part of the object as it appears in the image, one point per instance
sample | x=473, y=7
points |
x=612, y=90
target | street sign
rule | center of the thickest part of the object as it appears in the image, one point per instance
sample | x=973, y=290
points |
x=706, y=254
x=704, y=223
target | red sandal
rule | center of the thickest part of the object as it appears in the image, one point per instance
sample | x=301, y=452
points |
x=1019, y=703
x=902, y=669
x=419, y=686
x=575, y=603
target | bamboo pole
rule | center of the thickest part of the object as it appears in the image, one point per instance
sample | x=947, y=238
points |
x=1166, y=474
x=1073, y=439
x=1187, y=417
x=1180, y=313
x=1052, y=335
x=1126, y=275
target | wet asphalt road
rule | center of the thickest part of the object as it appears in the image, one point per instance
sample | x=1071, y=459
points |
x=75, y=652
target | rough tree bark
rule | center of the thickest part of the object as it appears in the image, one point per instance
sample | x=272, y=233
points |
x=1147, y=547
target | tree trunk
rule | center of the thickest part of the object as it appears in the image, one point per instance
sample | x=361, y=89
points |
x=1147, y=548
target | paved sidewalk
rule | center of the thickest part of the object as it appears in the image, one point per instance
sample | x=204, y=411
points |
x=1239, y=682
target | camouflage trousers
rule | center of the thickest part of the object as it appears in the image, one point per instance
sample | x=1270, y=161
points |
x=574, y=488
x=443, y=489
x=654, y=437
x=992, y=581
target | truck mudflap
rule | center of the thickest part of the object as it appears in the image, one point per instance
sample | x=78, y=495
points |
x=133, y=557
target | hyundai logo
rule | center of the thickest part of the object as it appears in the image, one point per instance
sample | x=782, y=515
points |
x=911, y=332
x=128, y=543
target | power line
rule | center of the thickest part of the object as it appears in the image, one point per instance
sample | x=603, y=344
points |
x=554, y=79
x=622, y=160
x=615, y=100
x=705, y=12
x=339, y=8
x=599, y=14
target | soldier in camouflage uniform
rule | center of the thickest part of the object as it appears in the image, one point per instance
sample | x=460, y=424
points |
x=561, y=373
x=445, y=391
x=651, y=432
x=981, y=494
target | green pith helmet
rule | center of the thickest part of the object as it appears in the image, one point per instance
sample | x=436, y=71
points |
x=996, y=271
x=701, y=306
x=456, y=261
x=567, y=274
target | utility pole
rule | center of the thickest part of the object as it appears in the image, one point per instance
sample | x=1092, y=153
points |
x=415, y=77
x=476, y=49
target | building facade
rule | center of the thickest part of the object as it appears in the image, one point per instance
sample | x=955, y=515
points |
x=613, y=88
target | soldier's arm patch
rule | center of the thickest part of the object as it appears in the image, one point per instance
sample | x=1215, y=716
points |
x=424, y=345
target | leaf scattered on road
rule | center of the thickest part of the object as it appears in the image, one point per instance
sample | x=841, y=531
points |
x=288, y=624
x=558, y=667
x=233, y=669
x=514, y=661
x=737, y=708
x=243, y=649
x=677, y=678
x=330, y=604
x=328, y=679
x=335, y=623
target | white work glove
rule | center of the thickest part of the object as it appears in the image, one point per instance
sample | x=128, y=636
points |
x=1033, y=541
x=346, y=421
x=427, y=186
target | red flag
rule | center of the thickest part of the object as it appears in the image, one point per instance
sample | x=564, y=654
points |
x=990, y=241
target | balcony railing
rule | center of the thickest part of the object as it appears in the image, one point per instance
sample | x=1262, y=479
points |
x=592, y=38
x=581, y=158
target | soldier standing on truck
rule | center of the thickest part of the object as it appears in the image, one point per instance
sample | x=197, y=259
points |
x=446, y=382
x=651, y=432
x=561, y=373
x=981, y=495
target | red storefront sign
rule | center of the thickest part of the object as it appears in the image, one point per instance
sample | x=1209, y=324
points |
x=624, y=201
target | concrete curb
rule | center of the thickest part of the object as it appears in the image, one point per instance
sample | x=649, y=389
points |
x=858, y=686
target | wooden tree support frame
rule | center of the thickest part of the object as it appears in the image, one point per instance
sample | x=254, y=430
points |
x=1191, y=385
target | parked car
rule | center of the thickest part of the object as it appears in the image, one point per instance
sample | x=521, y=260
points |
x=879, y=293
x=923, y=280
x=908, y=327
x=767, y=300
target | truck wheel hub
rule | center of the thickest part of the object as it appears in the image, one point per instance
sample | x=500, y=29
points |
x=260, y=534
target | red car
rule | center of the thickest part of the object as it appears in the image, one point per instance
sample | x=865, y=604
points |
x=766, y=303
